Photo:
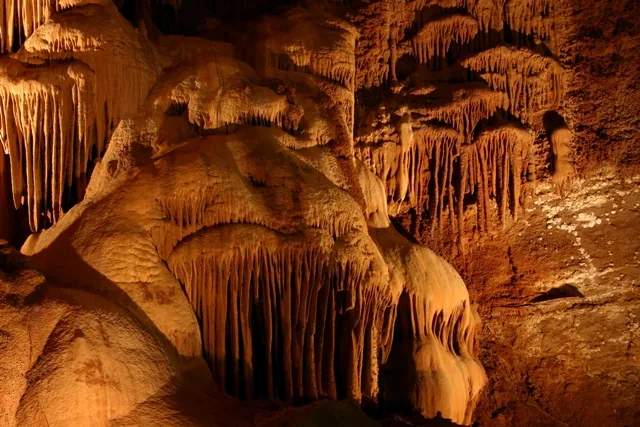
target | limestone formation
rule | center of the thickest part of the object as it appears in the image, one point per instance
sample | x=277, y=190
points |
x=226, y=203
x=55, y=120
x=470, y=99
x=235, y=225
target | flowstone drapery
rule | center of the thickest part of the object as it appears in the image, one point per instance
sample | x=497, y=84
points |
x=227, y=215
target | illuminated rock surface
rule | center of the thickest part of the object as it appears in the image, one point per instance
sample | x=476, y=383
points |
x=254, y=218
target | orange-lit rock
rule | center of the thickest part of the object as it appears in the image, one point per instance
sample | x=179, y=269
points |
x=229, y=220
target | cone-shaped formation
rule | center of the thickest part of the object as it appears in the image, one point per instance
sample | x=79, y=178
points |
x=434, y=334
x=435, y=328
x=531, y=81
x=563, y=170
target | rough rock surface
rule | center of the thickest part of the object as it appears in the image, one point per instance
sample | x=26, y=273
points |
x=559, y=301
x=232, y=210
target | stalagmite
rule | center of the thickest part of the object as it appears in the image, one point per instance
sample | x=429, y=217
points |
x=563, y=170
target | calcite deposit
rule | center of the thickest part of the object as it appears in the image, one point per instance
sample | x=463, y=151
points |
x=261, y=213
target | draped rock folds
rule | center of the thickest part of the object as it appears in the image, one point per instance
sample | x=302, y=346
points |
x=52, y=127
x=229, y=218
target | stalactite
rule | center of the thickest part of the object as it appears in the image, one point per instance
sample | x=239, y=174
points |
x=21, y=18
x=48, y=128
x=489, y=13
x=531, y=81
x=76, y=106
x=223, y=91
x=285, y=299
x=434, y=39
x=295, y=290
x=491, y=167
x=462, y=105
x=495, y=170
x=423, y=169
x=124, y=61
x=530, y=16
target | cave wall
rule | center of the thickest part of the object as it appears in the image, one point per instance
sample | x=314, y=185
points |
x=558, y=293
x=556, y=288
x=501, y=134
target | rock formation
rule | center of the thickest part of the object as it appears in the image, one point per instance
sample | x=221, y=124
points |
x=235, y=224
x=235, y=211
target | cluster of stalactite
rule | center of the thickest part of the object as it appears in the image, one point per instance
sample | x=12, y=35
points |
x=221, y=91
x=57, y=118
x=407, y=170
x=325, y=48
x=284, y=316
x=530, y=16
x=435, y=38
x=47, y=127
x=531, y=81
x=435, y=169
x=20, y=18
x=492, y=168
x=462, y=106
x=443, y=164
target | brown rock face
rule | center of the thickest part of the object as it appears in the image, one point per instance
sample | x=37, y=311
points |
x=230, y=221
